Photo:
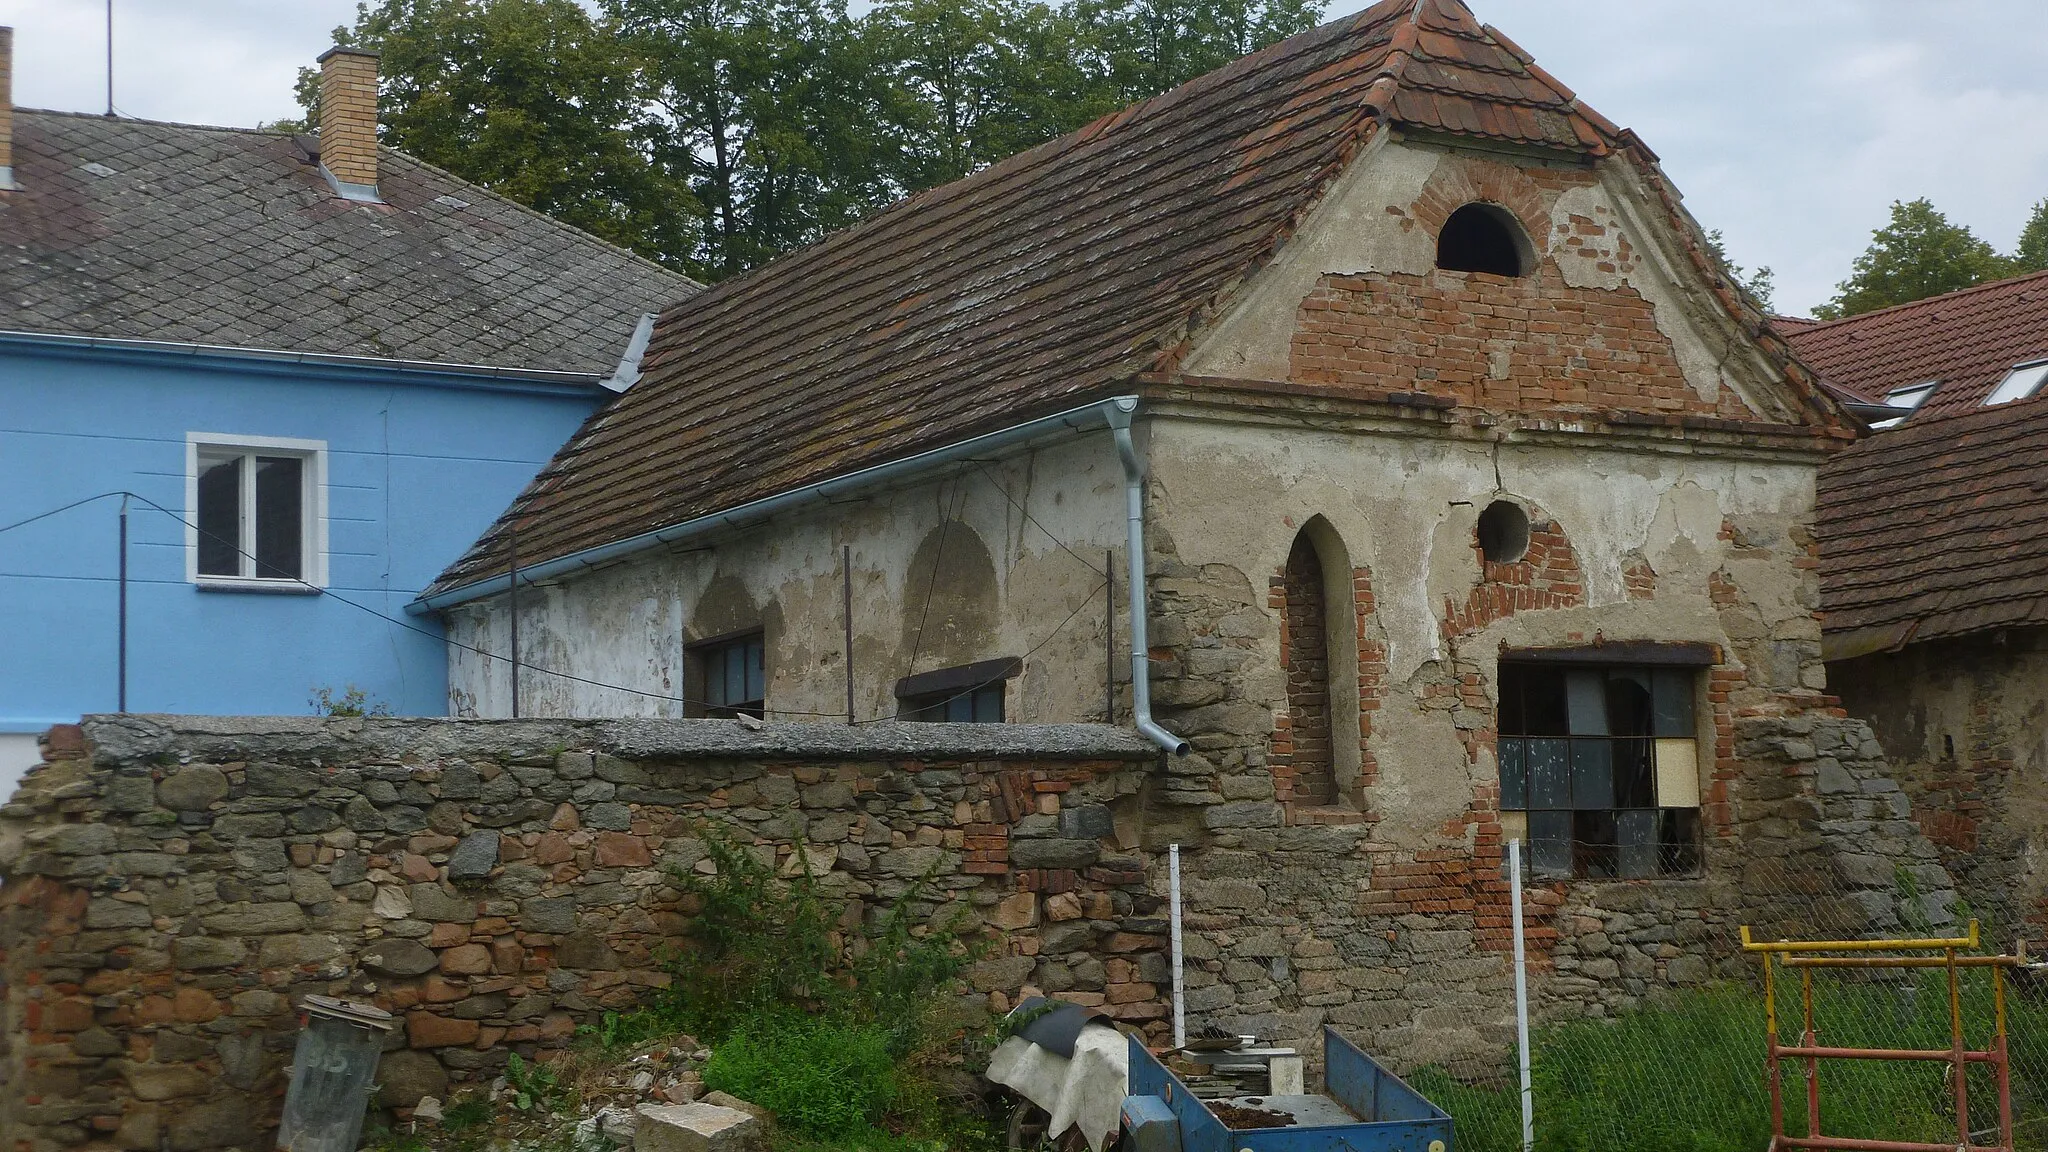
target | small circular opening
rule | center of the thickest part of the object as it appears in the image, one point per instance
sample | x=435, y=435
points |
x=1484, y=238
x=1503, y=532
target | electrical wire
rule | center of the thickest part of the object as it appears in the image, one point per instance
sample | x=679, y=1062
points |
x=365, y=608
x=1033, y=521
x=1034, y=650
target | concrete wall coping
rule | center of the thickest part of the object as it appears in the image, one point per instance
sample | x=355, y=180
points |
x=138, y=738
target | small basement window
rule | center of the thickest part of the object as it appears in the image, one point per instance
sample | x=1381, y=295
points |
x=1602, y=765
x=968, y=694
x=732, y=675
x=1484, y=238
x=1503, y=532
x=2019, y=384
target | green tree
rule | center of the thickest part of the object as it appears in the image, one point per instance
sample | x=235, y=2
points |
x=2032, y=255
x=1921, y=253
x=1762, y=284
x=531, y=99
x=768, y=111
x=1143, y=47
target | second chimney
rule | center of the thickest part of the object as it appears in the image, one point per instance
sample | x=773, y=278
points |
x=348, y=122
x=6, y=109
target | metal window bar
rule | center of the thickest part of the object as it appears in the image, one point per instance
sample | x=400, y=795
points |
x=1943, y=953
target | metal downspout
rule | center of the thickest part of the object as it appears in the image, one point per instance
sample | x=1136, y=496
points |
x=1118, y=413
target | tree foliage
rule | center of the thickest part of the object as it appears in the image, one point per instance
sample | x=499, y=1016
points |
x=2032, y=255
x=1920, y=253
x=713, y=134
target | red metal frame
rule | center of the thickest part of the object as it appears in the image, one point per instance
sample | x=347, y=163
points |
x=1804, y=956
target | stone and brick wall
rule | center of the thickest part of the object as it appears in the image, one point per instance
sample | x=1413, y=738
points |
x=1304, y=770
x=1964, y=723
x=175, y=887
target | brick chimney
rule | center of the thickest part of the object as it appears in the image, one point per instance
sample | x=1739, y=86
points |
x=348, y=122
x=6, y=109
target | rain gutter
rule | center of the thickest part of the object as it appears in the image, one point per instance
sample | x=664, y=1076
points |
x=1115, y=412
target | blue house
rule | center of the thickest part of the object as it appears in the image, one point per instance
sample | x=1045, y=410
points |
x=256, y=391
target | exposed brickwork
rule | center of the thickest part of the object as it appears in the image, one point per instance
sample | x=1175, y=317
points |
x=6, y=99
x=348, y=115
x=1547, y=576
x=1496, y=342
x=1302, y=766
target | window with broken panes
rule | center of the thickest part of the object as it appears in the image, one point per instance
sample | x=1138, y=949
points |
x=734, y=677
x=1603, y=765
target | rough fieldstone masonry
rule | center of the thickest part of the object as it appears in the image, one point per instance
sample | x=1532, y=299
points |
x=175, y=885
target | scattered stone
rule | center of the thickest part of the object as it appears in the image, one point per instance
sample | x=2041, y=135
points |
x=192, y=789
x=398, y=958
x=474, y=858
x=696, y=1128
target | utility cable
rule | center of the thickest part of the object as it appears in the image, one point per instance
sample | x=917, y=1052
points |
x=1033, y=521
x=1034, y=650
x=408, y=626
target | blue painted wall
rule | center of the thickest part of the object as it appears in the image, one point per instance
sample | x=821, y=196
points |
x=418, y=465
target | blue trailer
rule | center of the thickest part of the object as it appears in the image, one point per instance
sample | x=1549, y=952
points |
x=1367, y=1109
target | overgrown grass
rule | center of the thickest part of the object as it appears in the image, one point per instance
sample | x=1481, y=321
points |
x=841, y=1034
x=1687, y=1074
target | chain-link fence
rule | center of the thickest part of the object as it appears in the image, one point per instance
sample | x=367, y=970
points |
x=1685, y=1068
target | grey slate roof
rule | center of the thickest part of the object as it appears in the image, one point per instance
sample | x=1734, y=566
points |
x=136, y=229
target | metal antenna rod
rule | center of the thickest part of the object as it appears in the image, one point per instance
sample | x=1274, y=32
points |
x=110, y=57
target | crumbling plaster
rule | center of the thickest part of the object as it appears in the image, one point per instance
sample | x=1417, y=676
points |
x=1964, y=723
x=1365, y=224
x=1029, y=594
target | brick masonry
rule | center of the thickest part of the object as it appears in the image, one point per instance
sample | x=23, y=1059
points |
x=1303, y=769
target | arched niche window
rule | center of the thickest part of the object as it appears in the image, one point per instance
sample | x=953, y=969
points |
x=1320, y=654
x=1485, y=238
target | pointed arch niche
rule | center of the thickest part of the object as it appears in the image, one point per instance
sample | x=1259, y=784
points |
x=1319, y=657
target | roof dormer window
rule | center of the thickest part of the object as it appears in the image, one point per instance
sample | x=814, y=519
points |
x=2023, y=381
x=1905, y=400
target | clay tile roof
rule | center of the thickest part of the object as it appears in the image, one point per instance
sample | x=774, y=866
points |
x=1937, y=529
x=1968, y=340
x=1043, y=282
x=141, y=230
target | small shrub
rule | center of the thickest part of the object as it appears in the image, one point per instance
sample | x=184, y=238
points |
x=821, y=1077
x=350, y=701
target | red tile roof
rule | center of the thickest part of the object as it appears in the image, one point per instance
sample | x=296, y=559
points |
x=1968, y=340
x=1051, y=279
x=1937, y=529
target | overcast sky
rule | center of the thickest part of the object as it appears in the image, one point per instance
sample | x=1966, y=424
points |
x=1789, y=124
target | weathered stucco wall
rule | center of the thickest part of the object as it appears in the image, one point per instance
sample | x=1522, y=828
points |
x=1005, y=586
x=1965, y=723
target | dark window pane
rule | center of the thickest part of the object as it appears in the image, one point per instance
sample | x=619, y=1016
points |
x=280, y=528
x=220, y=515
x=756, y=671
x=1593, y=847
x=1674, y=702
x=1550, y=843
x=1628, y=702
x=1586, y=696
x=1635, y=773
x=734, y=678
x=1514, y=774
x=1680, y=833
x=1541, y=692
x=1550, y=778
x=1512, y=717
x=1592, y=774
x=988, y=705
x=1637, y=831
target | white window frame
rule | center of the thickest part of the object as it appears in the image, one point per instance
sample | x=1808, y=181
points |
x=2024, y=382
x=312, y=505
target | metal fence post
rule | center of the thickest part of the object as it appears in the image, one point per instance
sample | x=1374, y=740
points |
x=1521, y=998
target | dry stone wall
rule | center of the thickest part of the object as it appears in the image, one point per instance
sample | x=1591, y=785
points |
x=175, y=887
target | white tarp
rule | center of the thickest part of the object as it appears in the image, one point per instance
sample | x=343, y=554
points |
x=1086, y=1091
